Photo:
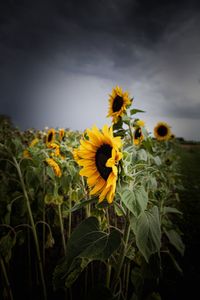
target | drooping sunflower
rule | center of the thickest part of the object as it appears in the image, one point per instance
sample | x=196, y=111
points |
x=50, y=136
x=61, y=133
x=53, y=164
x=56, y=149
x=99, y=156
x=162, y=131
x=138, y=135
x=118, y=102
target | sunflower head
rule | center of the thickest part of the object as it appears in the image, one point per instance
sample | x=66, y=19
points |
x=138, y=136
x=162, y=131
x=118, y=102
x=53, y=164
x=34, y=142
x=50, y=136
x=99, y=154
x=61, y=133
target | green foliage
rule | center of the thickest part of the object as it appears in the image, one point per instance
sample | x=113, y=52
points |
x=87, y=243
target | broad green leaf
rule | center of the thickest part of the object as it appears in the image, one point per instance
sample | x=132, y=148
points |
x=135, y=201
x=142, y=155
x=148, y=232
x=86, y=243
x=175, y=240
x=168, y=209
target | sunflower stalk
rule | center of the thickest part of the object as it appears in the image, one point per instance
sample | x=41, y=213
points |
x=5, y=275
x=62, y=228
x=32, y=226
x=123, y=250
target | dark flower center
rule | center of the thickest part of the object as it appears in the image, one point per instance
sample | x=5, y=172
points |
x=117, y=103
x=50, y=136
x=162, y=130
x=102, y=155
x=138, y=133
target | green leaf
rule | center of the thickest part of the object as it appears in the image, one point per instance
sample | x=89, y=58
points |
x=142, y=155
x=175, y=240
x=168, y=209
x=86, y=243
x=134, y=111
x=126, y=119
x=157, y=160
x=6, y=245
x=148, y=232
x=137, y=280
x=118, y=125
x=135, y=201
x=83, y=203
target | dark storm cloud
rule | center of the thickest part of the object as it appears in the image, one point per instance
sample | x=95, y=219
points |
x=152, y=43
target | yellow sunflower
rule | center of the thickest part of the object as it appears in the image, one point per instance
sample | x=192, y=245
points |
x=54, y=166
x=99, y=156
x=50, y=136
x=118, y=102
x=56, y=149
x=162, y=131
x=138, y=136
x=61, y=134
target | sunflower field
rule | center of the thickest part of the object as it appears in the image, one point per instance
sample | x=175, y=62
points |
x=91, y=214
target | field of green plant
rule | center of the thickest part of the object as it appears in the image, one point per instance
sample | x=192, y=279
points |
x=90, y=215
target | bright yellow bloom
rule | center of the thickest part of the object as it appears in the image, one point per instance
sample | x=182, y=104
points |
x=54, y=166
x=50, y=136
x=118, y=102
x=162, y=131
x=99, y=156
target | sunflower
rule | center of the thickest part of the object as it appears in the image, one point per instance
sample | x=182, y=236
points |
x=61, y=133
x=54, y=166
x=50, y=136
x=56, y=149
x=162, y=131
x=118, y=102
x=99, y=156
x=138, y=136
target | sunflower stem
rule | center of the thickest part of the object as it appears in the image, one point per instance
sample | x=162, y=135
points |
x=70, y=218
x=8, y=287
x=62, y=228
x=130, y=130
x=32, y=225
x=123, y=250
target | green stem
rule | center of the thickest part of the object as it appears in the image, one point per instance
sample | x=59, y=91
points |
x=130, y=130
x=108, y=274
x=127, y=280
x=32, y=225
x=62, y=228
x=6, y=279
x=123, y=251
x=70, y=218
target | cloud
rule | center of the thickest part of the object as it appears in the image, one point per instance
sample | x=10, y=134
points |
x=52, y=52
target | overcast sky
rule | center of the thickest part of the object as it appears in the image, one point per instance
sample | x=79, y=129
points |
x=59, y=60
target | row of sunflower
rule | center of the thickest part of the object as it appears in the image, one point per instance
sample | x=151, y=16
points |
x=97, y=206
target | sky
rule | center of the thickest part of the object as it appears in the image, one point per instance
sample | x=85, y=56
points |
x=60, y=60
